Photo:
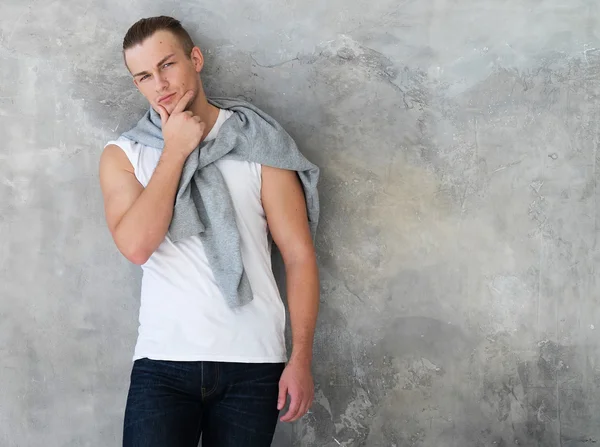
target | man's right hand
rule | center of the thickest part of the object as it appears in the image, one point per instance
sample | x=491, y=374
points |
x=182, y=130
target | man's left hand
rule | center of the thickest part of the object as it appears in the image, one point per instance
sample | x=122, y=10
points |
x=296, y=381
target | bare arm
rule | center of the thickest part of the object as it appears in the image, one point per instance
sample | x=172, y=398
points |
x=139, y=218
x=285, y=208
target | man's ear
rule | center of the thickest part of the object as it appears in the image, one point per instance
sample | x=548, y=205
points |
x=197, y=59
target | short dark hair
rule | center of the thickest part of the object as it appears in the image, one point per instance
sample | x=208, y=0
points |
x=145, y=28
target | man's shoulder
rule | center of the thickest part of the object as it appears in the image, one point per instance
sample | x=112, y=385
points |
x=118, y=153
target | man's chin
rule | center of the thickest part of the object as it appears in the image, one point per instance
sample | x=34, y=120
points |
x=169, y=108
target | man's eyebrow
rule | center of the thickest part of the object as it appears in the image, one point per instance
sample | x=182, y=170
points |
x=162, y=61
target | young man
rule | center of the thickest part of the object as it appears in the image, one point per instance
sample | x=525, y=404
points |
x=193, y=194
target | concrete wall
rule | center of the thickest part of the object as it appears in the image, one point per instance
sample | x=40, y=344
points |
x=459, y=241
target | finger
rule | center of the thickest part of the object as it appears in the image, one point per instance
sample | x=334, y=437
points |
x=307, y=406
x=303, y=409
x=282, y=395
x=295, y=402
x=164, y=115
x=183, y=102
x=188, y=113
x=197, y=119
x=302, y=412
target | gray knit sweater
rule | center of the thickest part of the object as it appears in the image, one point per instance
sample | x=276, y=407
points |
x=203, y=205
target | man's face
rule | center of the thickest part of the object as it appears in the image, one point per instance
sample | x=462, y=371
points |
x=162, y=71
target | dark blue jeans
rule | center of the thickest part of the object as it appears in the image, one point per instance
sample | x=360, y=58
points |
x=172, y=404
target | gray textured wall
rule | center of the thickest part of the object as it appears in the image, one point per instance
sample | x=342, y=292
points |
x=458, y=245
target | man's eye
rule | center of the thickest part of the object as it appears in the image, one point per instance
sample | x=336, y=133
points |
x=143, y=78
x=167, y=64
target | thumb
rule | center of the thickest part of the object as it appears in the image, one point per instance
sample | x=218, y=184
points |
x=282, y=394
x=164, y=115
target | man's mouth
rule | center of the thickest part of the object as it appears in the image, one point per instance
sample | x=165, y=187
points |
x=166, y=98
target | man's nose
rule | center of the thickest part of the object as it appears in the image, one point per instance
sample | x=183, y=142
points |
x=161, y=83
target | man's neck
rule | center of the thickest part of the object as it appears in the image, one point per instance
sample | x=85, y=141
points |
x=206, y=111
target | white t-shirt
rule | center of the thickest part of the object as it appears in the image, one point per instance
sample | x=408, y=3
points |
x=183, y=314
